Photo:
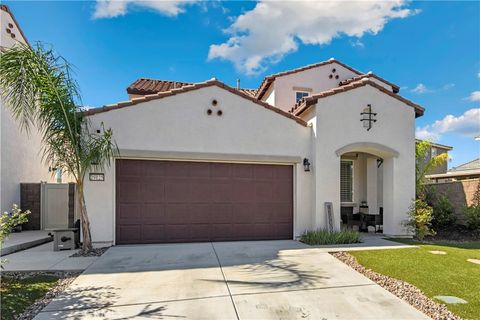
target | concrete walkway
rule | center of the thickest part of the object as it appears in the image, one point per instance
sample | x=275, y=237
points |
x=228, y=280
x=18, y=241
x=370, y=241
x=43, y=258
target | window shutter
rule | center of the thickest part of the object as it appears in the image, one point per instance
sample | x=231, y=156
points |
x=346, y=181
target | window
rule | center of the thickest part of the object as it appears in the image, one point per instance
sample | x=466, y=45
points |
x=434, y=152
x=346, y=181
x=299, y=95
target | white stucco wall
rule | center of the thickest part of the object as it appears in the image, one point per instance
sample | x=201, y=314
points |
x=316, y=79
x=338, y=125
x=20, y=157
x=179, y=128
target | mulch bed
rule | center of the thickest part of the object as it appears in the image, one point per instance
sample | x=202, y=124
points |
x=96, y=252
x=401, y=289
x=66, y=278
x=454, y=233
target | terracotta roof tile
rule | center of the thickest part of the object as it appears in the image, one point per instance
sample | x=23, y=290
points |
x=149, y=86
x=306, y=102
x=395, y=88
x=190, y=87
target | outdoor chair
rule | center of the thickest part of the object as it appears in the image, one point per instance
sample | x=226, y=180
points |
x=354, y=219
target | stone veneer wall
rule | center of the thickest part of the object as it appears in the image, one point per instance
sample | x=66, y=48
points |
x=30, y=199
x=460, y=193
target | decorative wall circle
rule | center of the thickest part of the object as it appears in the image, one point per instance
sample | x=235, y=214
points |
x=334, y=70
x=330, y=76
x=336, y=76
x=10, y=25
x=8, y=30
x=214, y=102
x=219, y=112
x=209, y=111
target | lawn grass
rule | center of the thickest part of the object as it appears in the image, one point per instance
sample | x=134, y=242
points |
x=17, y=295
x=435, y=275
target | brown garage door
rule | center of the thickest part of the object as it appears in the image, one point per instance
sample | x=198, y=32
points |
x=172, y=201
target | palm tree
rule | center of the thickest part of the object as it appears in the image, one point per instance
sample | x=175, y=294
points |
x=37, y=86
x=424, y=164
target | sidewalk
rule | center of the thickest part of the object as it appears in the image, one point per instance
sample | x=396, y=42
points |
x=43, y=258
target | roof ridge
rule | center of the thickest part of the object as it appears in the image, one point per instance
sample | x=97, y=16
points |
x=369, y=74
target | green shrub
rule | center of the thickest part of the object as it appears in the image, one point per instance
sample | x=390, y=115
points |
x=472, y=212
x=443, y=212
x=420, y=219
x=323, y=237
x=472, y=216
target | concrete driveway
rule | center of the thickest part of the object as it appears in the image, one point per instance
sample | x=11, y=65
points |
x=227, y=280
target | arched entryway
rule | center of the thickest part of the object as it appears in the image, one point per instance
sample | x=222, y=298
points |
x=367, y=187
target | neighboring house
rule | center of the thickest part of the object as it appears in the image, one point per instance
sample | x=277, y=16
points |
x=207, y=162
x=20, y=157
x=435, y=150
x=469, y=170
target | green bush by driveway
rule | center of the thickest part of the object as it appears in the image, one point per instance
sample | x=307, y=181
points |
x=325, y=237
x=447, y=274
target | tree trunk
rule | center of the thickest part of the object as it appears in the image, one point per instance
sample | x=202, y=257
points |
x=87, y=238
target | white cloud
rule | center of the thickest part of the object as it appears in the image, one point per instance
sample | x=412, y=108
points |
x=467, y=124
x=420, y=88
x=115, y=8
x=474, y=96
x=272, y=29
x=448, y=86
x=357, y=43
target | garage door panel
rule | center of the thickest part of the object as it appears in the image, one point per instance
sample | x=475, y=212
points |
x=221, y=213
x=199, y=213
x=153, y=169
x=169, y=201
x=152, y=233
x=176, y=191
x=129, y=192
x=129, y=234
x=131, y=168
x=199, y=191
x=153, y=191
x=175, y=213
x=243, y=171
x=153, y=213
x=127, y=212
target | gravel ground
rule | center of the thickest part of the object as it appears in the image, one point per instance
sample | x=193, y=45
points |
x=401, y=289
x=66, y=278
x=96, y=252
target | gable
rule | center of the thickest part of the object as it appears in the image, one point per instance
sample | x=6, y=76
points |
x=303, y=105
x=188, y=88
x=182, y=123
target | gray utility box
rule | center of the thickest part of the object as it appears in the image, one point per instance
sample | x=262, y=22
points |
x=65, y=239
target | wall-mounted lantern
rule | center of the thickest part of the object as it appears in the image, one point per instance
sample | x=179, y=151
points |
x=368, y=117
x=306, y=165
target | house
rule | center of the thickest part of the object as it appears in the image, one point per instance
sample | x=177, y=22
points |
x=435, y=150
x=209, y=162
x=20, y=154
x=466, y=171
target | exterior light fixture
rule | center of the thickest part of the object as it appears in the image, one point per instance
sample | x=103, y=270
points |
x=368, y=117
x=306, y=165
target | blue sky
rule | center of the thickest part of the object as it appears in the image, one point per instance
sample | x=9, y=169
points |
x=430, y=49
